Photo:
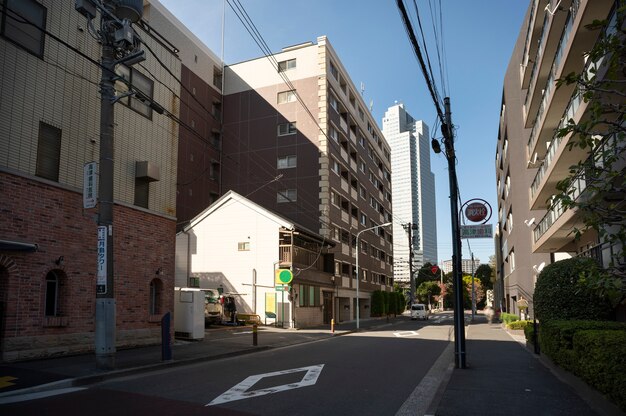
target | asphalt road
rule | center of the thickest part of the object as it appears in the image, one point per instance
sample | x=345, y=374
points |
x=364, y=373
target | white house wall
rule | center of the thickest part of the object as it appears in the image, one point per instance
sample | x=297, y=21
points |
x=218, y=258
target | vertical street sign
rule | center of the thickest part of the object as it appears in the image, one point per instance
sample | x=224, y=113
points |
x=101, y=277
x=90, y=191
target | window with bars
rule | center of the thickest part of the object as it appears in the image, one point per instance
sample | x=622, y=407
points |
x=23, y=22
x=48, y=152
x=285, y=129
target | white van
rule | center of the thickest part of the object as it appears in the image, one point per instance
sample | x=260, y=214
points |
x=419, y=311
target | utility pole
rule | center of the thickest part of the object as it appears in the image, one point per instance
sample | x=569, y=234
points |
x=411, y=276
x=119, y=45
x=473, y=291
x=459, y=320
x=105, y=290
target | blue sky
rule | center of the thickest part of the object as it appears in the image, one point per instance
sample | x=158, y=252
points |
x=370, y=39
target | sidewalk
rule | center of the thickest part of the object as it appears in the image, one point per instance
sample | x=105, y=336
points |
x=219, y=342
x=504, y=377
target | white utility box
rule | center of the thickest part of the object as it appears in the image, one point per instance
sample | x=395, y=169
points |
x=189, y=313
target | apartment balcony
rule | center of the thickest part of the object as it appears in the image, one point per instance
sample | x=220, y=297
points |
x=554, y=230
x=547, y=45
x=545, y=103
x=300, y=257
x=533, y=35
x=558, y=158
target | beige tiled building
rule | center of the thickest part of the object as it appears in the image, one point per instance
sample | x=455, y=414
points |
x=49, y=128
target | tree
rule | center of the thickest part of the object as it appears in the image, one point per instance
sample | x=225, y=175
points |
x=485, y=274
x=596, y=186
x=427, y=290
x=425, y=274
x=478, y=290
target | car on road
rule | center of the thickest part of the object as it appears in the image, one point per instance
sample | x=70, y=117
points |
x=419, y=311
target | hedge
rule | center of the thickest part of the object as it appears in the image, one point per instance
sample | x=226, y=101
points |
x=560, y=292
x=378, y=303
x=601, y=362
x=592, y=350
x=507, y=318
x=517, y=325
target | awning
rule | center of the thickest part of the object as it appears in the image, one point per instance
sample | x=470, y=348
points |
x=8, y=245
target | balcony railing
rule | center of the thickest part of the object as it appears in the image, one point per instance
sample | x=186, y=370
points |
x=301, y=256
x=551, y=82
x=579, y=184
x=571, y=109
x=529, y=31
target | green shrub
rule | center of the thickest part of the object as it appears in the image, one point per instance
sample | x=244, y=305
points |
x=515, y=325
x=601, y=362
x=386, y=302
x=560, y=292
x=529, y=332
x=400, y=303
x=556, y=337
x=393, y=305
x=378, y=303
x=507, y=318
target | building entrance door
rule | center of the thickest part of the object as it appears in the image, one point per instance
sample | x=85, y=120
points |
x=328, y=307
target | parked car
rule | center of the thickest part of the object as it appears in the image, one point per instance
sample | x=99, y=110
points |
x=419, y=311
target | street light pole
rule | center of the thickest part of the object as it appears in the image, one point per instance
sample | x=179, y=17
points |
x=357, y=266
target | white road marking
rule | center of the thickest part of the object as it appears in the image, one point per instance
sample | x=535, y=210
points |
x=38, y=395
x=406, y=334
x=240, y=391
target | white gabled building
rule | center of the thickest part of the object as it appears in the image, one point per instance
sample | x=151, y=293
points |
x=238, y=245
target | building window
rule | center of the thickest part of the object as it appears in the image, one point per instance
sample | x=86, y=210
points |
x=285, y=65
x=286, y=129
x=16, y=29
x=285, y=162
x=362, y=192
x=286, y=97
x=334, y=198
x=52, y=294
x=194, y=282
x=309, y=295
x=361, y=114
x=333, y=102
x=143, y=87
x=335, y=167
x=142, y=192
x=217, y=77
x=333, y=133
x=243, y=246
x=286, y=195
x=48, y=152
x=363, y=219
x=156, y=290
x=216, y=110
x=512, y=260
x=333, y=70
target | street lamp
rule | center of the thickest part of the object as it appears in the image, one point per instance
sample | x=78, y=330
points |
x=357, y=266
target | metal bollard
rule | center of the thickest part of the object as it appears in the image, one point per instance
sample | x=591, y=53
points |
x=332, y=326
x=166, y=344
x=255, y=340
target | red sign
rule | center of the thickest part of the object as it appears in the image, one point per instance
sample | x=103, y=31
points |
x=476, y=212
x=434, y=269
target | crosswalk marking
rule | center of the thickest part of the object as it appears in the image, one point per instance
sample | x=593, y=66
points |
x=240, y=391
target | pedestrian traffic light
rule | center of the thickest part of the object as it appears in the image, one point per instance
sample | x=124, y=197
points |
x=283, y=276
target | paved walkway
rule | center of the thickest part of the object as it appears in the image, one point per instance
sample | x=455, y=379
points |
x=503, y=377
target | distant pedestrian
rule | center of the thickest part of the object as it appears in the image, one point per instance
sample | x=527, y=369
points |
x=489, y=313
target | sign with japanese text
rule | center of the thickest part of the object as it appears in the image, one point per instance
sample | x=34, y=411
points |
x=89, y=185
x=101, y=276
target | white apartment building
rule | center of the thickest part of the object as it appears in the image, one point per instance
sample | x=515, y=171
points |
x=413, y=190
